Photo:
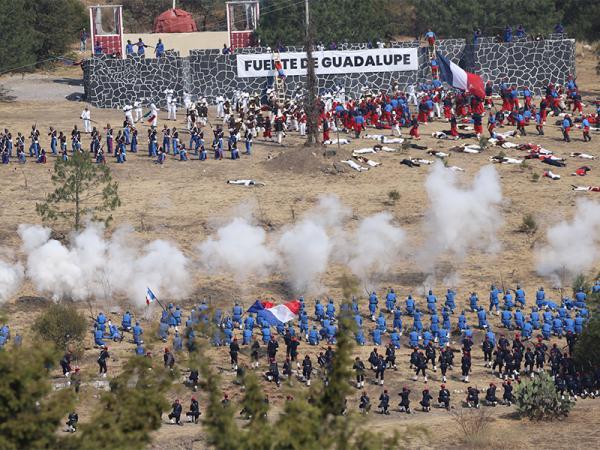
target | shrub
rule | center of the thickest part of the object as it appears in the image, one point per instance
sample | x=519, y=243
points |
x=61, y=325
x=393, y=196
x=587, y=351
x=528, y=225
x=484, y=142
x=473, y=423
x=581, y=282
x=538, y=399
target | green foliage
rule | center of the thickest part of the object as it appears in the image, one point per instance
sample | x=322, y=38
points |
x=129, y=412
x=458, y=18
x=57, y=25
x=220, y=428
x=84, y=189
x=61, y=325
x=587, y=350
x=484, y=142
x=393, y=196
x=535, y=177
x=17, y=44
x=529, y=225
x=581, y=282
x=254, y=406
x=332, y=401
x=139, y=15
x=32, y=31
x=538, y=399
x=349, y=285
x=255, y=410
x=580, y=18
x=283, y=21
x=29, y=412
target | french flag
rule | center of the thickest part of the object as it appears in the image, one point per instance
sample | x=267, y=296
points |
x=276, y=314
x=279, y=68
x=459, y=78
x=150, y=297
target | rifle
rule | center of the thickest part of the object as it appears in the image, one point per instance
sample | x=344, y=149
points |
x=502, y=283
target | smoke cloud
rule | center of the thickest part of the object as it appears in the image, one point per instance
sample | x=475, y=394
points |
x=573, y=247
x=460, y=219
x=238, y=249
x=378, y=245
x=306, y=247
x=11, y=277
x=95, y=267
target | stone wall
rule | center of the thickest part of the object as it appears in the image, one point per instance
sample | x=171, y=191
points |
x=532, y=63
x=113, y=83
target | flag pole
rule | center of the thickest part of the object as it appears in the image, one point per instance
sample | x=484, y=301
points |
x=156, y=298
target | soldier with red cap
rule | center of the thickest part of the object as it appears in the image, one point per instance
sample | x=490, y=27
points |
x=444, y=397
x=175, y=415
x=194, y=413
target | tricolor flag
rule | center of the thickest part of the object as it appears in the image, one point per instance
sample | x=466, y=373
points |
x=279, y=68
x=276, y=314
x=150, y=297
x=459, y=78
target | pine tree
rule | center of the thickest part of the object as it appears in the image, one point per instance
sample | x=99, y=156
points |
x=17, y=42
x=129, y=412
x=29, y=412
x=458, y=18
x=57, y=25
x=258, y=431
x=587, y=351
x=220, y=429
x=83, y=189
x=334, y=20
x=333, y=400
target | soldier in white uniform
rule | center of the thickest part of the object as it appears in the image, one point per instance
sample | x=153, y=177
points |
x=171, y=106
x=187, y=100
x=173, y=109
x=137, y=105
x=127, y=109
x=220, y=110
x=86, y=115
x=244, y=101
x=412, y=96
x=154, y=115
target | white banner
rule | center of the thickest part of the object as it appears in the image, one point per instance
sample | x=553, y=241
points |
x=330, y=62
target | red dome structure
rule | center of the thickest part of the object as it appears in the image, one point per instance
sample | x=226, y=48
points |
x=175, y=21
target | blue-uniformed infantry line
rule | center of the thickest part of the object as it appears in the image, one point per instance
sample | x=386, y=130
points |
x=520, y=337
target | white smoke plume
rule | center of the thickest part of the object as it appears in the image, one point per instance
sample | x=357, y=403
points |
x=306, y=247
x=11, y=277
x=95, y=267
x=460, y=219
x=239, y=249
x=573, y=247
x=377, y=247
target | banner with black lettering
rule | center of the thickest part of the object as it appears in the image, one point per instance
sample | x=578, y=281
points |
x=330, y=62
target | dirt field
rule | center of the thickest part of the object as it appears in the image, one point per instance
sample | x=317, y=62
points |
x=182, y=201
